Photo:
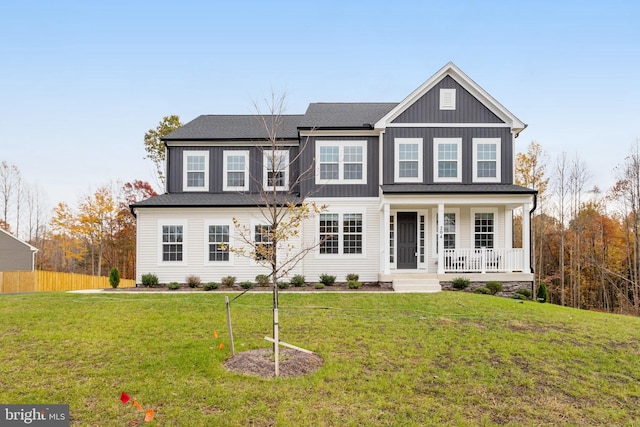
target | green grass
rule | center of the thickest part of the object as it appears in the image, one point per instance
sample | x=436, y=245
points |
x=450, y=358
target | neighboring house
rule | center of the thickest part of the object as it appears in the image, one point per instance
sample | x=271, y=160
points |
x=418, y=192
x=16, y=255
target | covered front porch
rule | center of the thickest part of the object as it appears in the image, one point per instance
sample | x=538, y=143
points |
x=440, y=236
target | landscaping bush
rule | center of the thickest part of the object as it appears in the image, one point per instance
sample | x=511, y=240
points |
x=519, y=296
x=460, y=283
x=297, y=280
x=173, y=286
x=319, y=286
x=193, y=281
x=524, y=292
x=494, y=287
x=542, y=294
x=354, y=284
x=262, y=280
x=484, y=291
x=149, y=280
x=352, y=277
x=283, y=285
x=114, y=277
x=246, y=285
x=228, y=281
x=327, y=279
x=210, y=286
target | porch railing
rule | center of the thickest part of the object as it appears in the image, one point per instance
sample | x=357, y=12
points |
x=482, y=260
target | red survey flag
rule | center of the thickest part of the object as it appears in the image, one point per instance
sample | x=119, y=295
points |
x=124, y=397
x=137, y=405
x=148, y=416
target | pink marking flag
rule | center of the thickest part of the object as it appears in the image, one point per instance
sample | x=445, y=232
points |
x=124, y=397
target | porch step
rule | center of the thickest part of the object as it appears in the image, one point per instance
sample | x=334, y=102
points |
x=416, y=285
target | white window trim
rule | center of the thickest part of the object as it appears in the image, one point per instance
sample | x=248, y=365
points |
x=472, y=225
x=476, y=142
x=167, y=222
x=265, y=174
x=436, y=143
x=434, y=229
x=341, y=145
x=185, y=155
x=252, y=260
x=226, y=155
x=396, y=156
x=447, y=99
x=341, y=212
x=206, y=241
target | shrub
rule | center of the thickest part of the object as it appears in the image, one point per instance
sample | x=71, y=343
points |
x=246, y=285
x=173, y=286
x=297, y=280
x=228, y=281
x=494, y=287
x=524, y=292
x=262, y=280
x=483, y=291
x=460, y=283
x=193, y=281
x=327, y=279
x=319, y=286
x=354, y=284
x=149, y=280
x=519, y=296
x=352, y=277
x=114, y=277
x=283, y=285
x=210, y=286
x=542, y=294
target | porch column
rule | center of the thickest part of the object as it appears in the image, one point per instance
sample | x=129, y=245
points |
x=526, y=238
x=384, y=240
x=508, y=228
x=440, y=231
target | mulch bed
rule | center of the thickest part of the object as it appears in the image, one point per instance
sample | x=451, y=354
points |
x=261, y=363
x=366, y=287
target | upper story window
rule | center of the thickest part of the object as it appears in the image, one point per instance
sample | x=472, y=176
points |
x=341, y=162
x=408, y=159
x=447, y=158
x=486, y=159
x=236, y=171
x=195, y=171
x=447, y=99
x=276, y=169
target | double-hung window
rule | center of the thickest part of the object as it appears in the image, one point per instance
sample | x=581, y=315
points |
x=341, y=233
x=449, y=228
x=486, y=159
x=172, y=237
x=276, y=169
x=341, y=162
x=263, y=242
x=408, y=159
x=447, y=156
x=236, y=170
x=218, y=243
x=195, y=168
x=484, y=229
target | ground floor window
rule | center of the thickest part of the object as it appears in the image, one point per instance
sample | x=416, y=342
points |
x=218, y=243
x=340, y=233
x=172, y=239
x=484, y=229
x=262, y=238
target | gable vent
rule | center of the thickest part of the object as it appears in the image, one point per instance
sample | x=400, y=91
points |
x=447, y=99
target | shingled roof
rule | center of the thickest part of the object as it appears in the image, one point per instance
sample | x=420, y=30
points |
x=179, y=200
x=235, y=127
x=340, y=115
x=455, y=188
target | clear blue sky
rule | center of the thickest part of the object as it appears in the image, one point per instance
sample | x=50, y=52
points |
x=81, y=82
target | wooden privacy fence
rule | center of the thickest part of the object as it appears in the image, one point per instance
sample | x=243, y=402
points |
x=43, y=281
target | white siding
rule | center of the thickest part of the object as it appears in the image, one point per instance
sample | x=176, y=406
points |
x=195, y=260
x=367, y=265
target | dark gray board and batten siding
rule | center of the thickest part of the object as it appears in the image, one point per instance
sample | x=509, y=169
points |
x=427, y=108
x=467, y=135
x=216, y=166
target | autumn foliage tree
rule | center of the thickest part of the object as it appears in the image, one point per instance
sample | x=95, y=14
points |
x=156, y=151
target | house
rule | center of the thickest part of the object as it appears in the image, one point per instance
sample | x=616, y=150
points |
x=418, y=192
x=16, y=255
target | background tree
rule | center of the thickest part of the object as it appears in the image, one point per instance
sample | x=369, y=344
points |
x=156, y=151
x=9, y=189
